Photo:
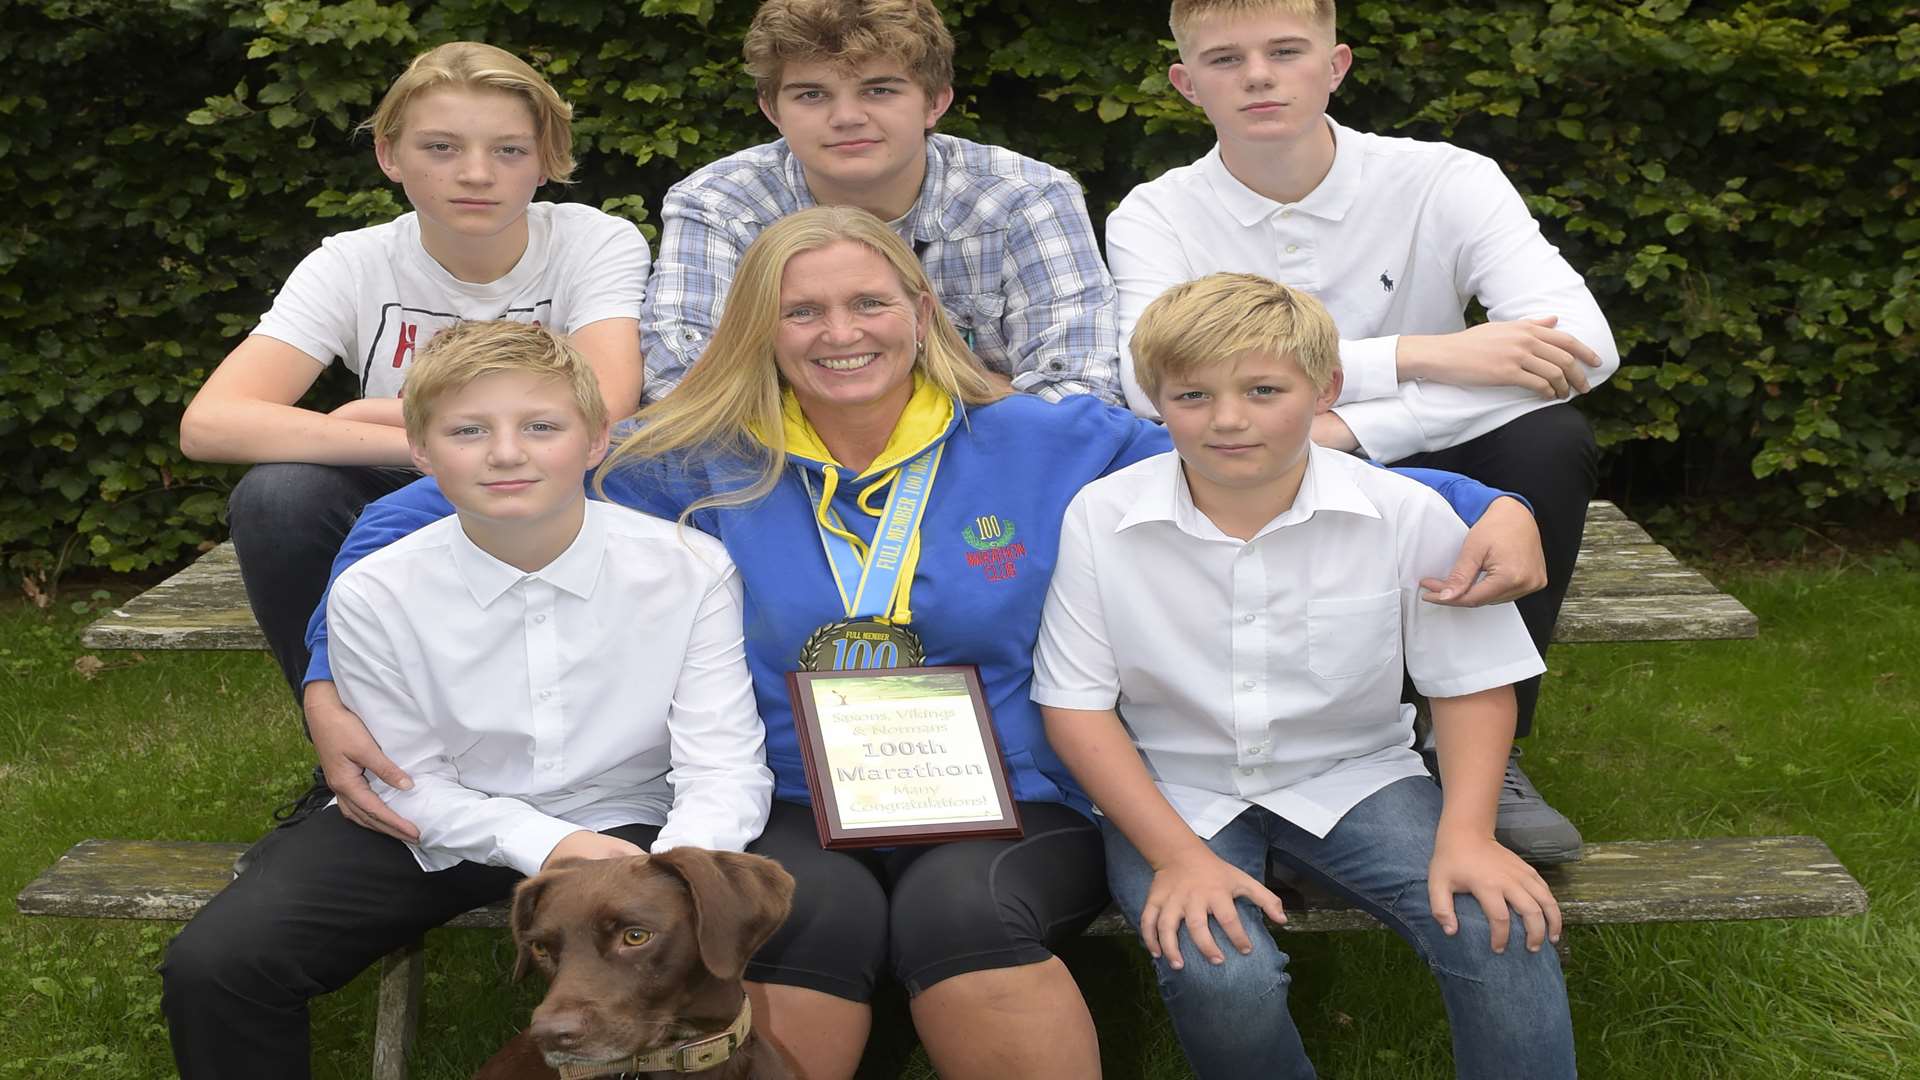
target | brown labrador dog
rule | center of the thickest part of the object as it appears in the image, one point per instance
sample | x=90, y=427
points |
x=643, y=959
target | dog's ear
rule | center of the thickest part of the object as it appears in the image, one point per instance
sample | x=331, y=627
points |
x=739, y=900
x=526, y=900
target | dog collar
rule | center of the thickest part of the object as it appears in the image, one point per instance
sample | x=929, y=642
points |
x=695, y=1055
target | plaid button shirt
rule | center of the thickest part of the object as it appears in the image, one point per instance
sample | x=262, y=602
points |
x=1004, y=238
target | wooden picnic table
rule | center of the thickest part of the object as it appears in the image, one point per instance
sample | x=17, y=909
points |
x=1625, y=588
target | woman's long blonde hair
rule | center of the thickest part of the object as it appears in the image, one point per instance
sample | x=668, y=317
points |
x=729, y=403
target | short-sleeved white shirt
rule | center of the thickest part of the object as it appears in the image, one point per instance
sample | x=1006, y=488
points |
x=1397, y=239
x=1266, y=672
x=607, y=688
x=371, y=298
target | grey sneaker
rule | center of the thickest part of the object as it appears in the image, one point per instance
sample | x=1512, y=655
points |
x=1530, y=828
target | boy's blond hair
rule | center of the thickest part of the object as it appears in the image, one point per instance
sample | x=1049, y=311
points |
x=470, y=65
x=469, y=350
x=1218, y=317
x=845, y=33
x=1187, y=13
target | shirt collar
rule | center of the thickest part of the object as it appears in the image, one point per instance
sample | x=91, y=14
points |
x=923, y=218
x=1324, y=487
x=574, y=570
x=1330, y=200
x=928, y=417
x=796, y=178
x=923, y=221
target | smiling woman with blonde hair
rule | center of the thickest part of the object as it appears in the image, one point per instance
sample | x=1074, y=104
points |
x=732, y=397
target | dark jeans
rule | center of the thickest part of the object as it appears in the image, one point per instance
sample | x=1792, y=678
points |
x=288, y=520
x=1549, y=458
x=320, y=901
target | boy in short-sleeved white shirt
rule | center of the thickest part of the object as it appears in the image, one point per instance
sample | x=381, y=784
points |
x=1396, y=237
x=1220, y=666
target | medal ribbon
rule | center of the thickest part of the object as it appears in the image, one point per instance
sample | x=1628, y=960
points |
x=870, y=581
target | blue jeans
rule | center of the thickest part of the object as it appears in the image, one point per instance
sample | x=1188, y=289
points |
x=1508, y=1011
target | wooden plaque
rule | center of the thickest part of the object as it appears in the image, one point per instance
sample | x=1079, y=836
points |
x=901, y=756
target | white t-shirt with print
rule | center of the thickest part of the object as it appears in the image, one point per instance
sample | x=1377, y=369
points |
x=371, y=298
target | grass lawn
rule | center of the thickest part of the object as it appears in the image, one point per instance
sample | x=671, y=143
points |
x=1813, y=728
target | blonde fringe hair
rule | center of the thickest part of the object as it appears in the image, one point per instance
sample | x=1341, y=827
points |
x=845, y=33
x=1216, y=318
x=1187, y=13
x=729, y=403
x=469, y=350
x=470, y=65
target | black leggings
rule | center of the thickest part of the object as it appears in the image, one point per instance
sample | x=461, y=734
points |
x=931, y=912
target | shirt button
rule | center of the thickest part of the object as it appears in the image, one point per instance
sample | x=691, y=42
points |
x=1246, y=618
x=1286, y=213
x=1256, y=751
x=1247, y=685
x=1291, y=248
x=1246, y=772
x=539, y=618
x=545, y=694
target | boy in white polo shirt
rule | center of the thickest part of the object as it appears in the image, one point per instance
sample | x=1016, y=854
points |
x=1220, y=667
x=1395, y=237
x=560, y=678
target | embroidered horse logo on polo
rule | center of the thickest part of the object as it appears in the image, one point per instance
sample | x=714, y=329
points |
x=1385, y=281
x=995, y=551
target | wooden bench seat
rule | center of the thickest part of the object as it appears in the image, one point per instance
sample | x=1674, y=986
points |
x=1625, y=587
x=1775, y=877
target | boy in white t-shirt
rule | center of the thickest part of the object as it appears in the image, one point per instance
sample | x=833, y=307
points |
x=1396, y=238
x=470, y=132
x=1220, y=667
x=560, y=678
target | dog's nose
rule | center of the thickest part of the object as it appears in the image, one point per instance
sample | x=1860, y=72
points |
x=557, y=1029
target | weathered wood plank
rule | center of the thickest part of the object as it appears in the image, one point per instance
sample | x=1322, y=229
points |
x=402, y=975
x=1622, y=881
x=1600, y=581
x=1654, y=618
x=202, y=607
x=1624, y=588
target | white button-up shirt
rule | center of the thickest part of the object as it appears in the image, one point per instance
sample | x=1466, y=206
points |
x=607, y=688
x=1266, y=672
x=1397, y=238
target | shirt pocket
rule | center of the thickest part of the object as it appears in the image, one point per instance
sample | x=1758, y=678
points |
x=977, y=317
x=1350, y=636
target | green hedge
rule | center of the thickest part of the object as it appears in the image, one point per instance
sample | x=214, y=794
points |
x=1740, y=182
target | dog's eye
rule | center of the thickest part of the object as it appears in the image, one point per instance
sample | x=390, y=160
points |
x=633, y=935
x=538, y=950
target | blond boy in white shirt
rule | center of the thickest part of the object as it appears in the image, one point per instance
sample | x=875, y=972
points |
x=1220, y=667
x=559, y=678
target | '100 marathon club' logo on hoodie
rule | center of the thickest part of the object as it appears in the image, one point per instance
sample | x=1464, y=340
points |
x=994, y=549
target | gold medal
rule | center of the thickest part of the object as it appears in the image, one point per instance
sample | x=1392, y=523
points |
x=856, y=644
